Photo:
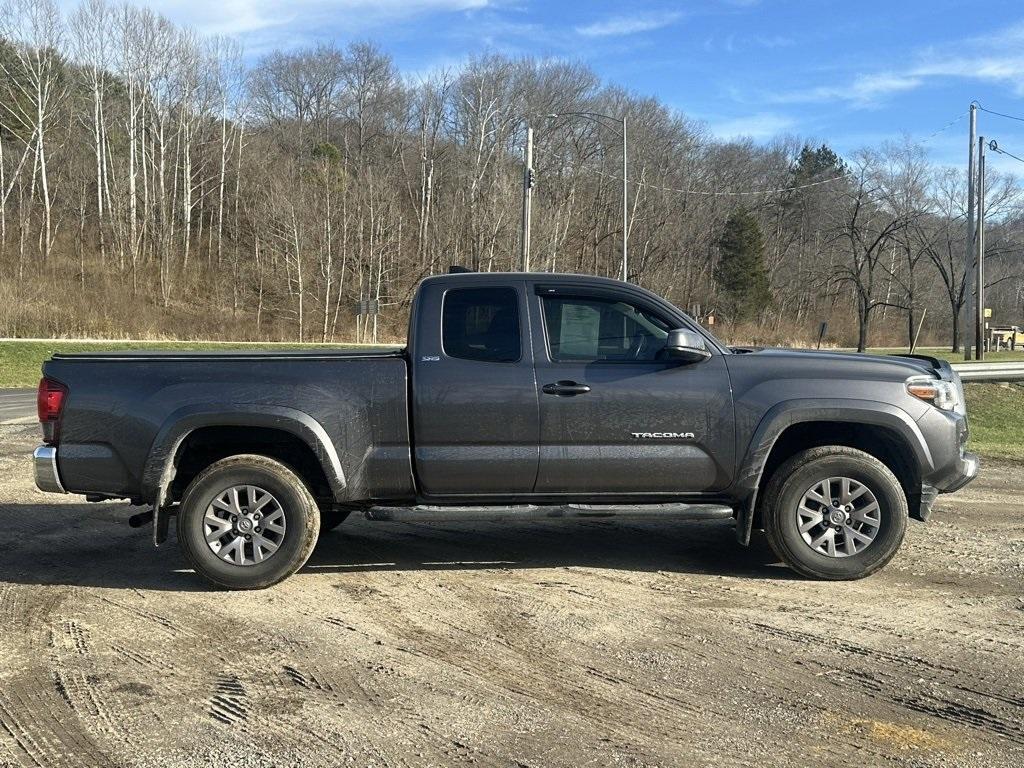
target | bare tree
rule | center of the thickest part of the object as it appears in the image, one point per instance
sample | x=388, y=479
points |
x=869, y=220
x=267, y=201
x=35, y=89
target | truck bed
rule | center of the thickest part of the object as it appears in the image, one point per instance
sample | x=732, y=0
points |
x=128, y=412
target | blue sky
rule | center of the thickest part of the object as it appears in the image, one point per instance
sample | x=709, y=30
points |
x=850, y=73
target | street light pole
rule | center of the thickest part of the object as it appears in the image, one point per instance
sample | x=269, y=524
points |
x=527, y=198
x=625, y=204
x=979, y=276
x=969, y=257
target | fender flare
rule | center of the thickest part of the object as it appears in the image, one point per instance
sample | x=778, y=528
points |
x=160, y=464
x=789, y=412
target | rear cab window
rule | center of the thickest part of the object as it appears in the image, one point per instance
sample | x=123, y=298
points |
x=482, y=324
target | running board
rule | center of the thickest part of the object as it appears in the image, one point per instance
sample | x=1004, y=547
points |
x=432, y=513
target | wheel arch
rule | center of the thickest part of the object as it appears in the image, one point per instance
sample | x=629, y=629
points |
x=242, y=427
x=882, y=430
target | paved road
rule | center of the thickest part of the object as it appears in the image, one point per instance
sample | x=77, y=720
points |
x=17, y=406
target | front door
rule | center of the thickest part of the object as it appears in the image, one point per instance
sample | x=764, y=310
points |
x=616, y=416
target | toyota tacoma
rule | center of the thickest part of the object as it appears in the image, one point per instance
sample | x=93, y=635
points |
x=517, y=395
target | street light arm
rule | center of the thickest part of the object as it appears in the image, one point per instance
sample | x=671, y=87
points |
x=594, y=116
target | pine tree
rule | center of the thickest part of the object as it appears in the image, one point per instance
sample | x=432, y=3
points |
x=740, y=273
x=816, y=165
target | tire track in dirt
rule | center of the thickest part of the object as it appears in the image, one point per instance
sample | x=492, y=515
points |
x=889, y=673
x=40, y=710
x=217, y=681
x=612, y=704
x=43, y=719
x=78, y=680
x=229, y=705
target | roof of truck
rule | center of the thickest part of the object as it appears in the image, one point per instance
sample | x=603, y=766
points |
x=568, y=277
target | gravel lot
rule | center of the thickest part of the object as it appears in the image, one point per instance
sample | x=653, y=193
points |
x=540, y=644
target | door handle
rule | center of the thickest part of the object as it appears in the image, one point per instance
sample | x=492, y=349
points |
x=565, y=389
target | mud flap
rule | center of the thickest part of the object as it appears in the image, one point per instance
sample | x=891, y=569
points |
x=745, y=520
x=161, y=524
x=922, y=509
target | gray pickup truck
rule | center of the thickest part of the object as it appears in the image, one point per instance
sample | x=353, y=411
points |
x=518, y=394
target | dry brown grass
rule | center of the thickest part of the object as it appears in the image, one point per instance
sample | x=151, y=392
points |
x=54, y=302
x=60, y=306
x=889, y=331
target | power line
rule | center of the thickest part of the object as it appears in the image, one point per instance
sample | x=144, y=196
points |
x=755, y=192
x=996, y=148
x=717, y=192
x=947, y=126
x=1000, y=114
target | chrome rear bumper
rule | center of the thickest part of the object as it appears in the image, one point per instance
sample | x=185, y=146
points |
x=44, y=464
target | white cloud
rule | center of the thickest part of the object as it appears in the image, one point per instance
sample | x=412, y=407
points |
x=760, y=126
x=994, y=68
x=233, y=17
x=995, y=58
x=618, y=26
x=862, y=91
x=867, y=88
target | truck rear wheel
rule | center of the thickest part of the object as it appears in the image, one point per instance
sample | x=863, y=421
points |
x=834, y=513
x=247, y=522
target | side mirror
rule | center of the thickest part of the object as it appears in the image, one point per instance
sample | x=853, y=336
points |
x=686, y=346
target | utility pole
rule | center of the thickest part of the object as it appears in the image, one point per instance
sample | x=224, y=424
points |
x=625, y=204
x=528, y=180
x=969, y=256
x=979, y=277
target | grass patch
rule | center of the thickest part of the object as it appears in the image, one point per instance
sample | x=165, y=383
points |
x=21, y=361
x=995, y=413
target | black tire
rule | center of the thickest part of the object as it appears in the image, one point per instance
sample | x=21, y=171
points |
x=332, y=518
x=302, y=518
x=786, y=489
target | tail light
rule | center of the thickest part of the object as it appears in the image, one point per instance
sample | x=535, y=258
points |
x=49, y=403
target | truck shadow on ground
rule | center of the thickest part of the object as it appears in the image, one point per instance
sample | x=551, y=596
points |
x=708, y=547
x=92, y=546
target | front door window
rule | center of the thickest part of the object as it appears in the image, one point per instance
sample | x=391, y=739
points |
x=602, y=330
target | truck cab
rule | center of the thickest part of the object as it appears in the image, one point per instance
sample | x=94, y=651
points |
x=555, y=388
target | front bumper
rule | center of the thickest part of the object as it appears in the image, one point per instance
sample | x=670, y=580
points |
x=44, y=465
x=965, y=470
x=952, y=466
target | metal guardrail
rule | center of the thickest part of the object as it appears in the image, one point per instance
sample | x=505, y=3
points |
x=990, y=371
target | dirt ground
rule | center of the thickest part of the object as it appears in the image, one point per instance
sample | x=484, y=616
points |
x=531, y=644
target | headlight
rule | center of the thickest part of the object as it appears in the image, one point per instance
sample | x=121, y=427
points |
x=941, y=394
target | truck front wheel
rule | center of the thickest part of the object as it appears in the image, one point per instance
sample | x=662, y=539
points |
x=834, y=513
x=247, y=522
